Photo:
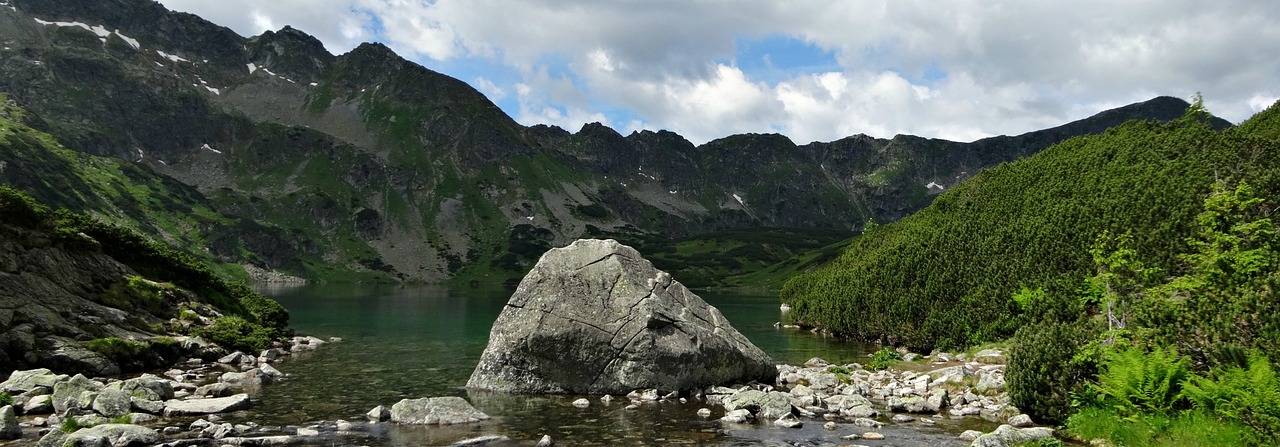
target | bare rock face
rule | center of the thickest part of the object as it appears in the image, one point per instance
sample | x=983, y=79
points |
x=597, y=318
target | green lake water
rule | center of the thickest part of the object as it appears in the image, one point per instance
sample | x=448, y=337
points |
x=422, y=341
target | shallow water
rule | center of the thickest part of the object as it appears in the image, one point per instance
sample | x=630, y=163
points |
x=421, y=341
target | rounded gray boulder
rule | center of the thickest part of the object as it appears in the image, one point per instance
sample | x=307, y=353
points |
x=597, y=318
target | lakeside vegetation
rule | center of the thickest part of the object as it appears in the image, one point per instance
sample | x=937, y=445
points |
x=1134, y=273
x=250, y=319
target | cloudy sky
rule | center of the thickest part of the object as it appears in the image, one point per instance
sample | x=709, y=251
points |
x=814, y=70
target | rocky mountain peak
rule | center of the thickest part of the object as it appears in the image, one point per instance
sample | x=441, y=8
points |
x=290, y=52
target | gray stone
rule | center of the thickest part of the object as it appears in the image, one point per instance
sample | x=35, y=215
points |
x=546, y=441
x=1008, y=435
x=1021, y=421
x=146, y=406
x=146, y=386
x=704, y=413
x=989, y=356
x=142, y=418
x=114, y=436
x=829, y=426
x=989, y=382
x=42, y=404
x=595, y=318
x=867, y=423
x=788, y=421
x=436, y=410
x=231, y=378
x=872, y=436
x=271, y=371
x=970, y=435
x=75, y=393
x=911, y=404
x=9, y=428
x=379, y=414
x=736, y=416
x=112, y=403
x=25, y=381
x=853, y=406
x=218, y=389
x=54, y=438
x=902, y=419
x=191, y=407
x=308, y=431
x=582, y=403
x=480, y=441
x=770, y=405
x=232, y=358
x=645, y=394
x=815, y=362
x=86, y=420
x=936, y=401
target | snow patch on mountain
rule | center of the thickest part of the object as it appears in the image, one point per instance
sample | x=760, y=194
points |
x=171, y=57
x=98, y=30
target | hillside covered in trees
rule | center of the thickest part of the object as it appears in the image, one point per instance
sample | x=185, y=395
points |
x=946, y=276
x=1133, y=275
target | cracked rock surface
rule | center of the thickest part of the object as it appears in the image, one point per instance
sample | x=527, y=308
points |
x=597, y=318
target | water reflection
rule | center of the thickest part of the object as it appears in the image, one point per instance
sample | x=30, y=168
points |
x=409, y=342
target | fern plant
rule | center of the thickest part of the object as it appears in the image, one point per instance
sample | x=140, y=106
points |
x=1249, y=395
x=1134, y=382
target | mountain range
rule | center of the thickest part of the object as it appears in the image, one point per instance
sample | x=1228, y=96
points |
x=269, y=155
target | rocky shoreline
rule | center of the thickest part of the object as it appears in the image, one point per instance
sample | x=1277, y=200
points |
x=59, y=409
x=188, y=406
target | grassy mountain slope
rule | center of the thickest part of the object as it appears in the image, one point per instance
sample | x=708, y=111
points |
x=365, y=166
x=945, y=276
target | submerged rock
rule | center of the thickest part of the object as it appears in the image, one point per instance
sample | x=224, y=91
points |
x=447, y=410
x=597, y=318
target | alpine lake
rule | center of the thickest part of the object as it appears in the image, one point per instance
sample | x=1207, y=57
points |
x=403, y=342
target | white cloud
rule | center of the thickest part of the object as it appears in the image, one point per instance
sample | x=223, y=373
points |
x=339, y=24
x=959, y=69
x=490, y=89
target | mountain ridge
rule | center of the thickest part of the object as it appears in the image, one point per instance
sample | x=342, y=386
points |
x=385, y=169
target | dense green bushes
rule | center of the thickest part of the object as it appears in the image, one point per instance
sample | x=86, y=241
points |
x=944, y=277
x=1045, y=371
x=1148, y=392
x=236, y=333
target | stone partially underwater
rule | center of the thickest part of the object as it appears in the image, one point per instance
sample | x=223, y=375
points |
x=597, y=318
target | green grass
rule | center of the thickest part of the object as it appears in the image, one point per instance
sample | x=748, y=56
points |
x=1185, y=430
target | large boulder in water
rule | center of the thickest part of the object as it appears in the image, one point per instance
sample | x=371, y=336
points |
x=597, y=318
